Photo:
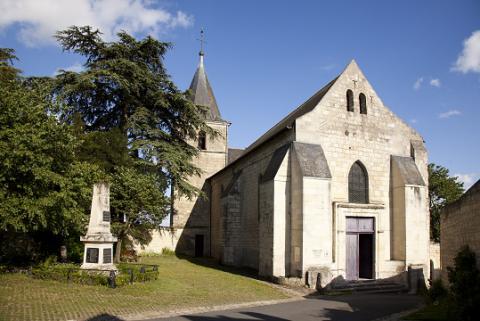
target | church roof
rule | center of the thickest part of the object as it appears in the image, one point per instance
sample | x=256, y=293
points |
x=310, y=157
x=312, y=160
x=201, y=93
x=285, y=123
x=409, y=170
x=304, y=108
x=233, y=154
x=275, y=163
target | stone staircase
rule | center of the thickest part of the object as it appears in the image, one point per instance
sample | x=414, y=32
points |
x=369, y=286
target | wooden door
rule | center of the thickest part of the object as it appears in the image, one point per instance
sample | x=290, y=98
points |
x=198, y=245
x=352, y=256
x=359, y=247
x=365, y=256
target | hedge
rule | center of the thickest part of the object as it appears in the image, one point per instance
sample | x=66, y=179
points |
x=127, y=274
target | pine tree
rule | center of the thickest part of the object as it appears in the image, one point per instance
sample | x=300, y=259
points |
x=125, y=90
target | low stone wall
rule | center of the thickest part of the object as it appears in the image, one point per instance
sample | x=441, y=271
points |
x=435, y=266
x=164, y=237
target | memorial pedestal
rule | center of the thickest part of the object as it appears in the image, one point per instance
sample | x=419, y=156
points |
x=98, y=253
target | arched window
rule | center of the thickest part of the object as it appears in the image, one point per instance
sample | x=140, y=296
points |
x=202, y=140
x=349, y=100
x=363, y=103
x=358, y=184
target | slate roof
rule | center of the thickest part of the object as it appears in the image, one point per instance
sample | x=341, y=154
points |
x=275, y=162
x=201, y=93
x=233, y=154
x=312, y=160
x=285, y=123
x=290, y=118
x=409, y=170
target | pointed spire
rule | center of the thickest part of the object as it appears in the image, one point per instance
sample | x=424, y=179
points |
x=201, y=92
x=202, y=42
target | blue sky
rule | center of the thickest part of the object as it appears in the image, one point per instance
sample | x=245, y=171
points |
x=264, y=58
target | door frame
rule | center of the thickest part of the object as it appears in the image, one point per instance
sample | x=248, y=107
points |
x=357, y=233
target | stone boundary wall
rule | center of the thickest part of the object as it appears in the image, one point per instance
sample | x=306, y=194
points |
x=459, y=226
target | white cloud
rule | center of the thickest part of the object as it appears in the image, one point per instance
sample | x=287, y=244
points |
x=418, y=83
x=435, y=82
x=37, y=21
x=468, y=179
x=328, y=67
x=469, y=59
x=76, y=67
x=413, y=120
x=450, y=113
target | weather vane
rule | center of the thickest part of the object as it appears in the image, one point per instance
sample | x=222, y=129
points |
x=202, y=41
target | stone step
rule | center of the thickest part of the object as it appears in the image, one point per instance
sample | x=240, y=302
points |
x=370, y=286
x=364, y=285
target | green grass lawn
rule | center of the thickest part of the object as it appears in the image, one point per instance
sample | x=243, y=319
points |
x=181, y=284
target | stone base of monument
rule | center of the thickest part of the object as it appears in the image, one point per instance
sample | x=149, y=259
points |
x=98, y=253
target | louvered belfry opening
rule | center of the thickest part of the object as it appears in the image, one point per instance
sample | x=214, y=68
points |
x=349, y=100
x=358, y=184
x=363, y=103
x=202, y=140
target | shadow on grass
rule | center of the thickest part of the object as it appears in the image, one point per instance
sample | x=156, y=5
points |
x=257, y=316
x=104, y=317
x=214, y=264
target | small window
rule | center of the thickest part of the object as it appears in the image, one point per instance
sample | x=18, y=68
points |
x=92, y=255
x=202, y=141
x=363, y=103
x=107, y=255
x=358, y=184
x=349, y=100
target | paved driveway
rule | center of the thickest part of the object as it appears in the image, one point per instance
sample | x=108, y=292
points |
x=354, y=307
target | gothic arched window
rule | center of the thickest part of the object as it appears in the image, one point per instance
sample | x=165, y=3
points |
x=349, y=100
x=202, y=140
x=363, y=103
x=358, y=184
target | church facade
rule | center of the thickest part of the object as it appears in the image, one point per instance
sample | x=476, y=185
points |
x=338, y=187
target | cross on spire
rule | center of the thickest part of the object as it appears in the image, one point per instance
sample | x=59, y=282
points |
x=202, y=42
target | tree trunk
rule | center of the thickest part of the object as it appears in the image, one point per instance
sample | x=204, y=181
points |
x=118, y=250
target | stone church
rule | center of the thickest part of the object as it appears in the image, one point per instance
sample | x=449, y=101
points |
x=338, y=186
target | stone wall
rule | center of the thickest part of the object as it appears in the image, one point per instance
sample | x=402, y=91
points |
x=435, y=266
x=312, y=237
x=162, y=238
x=347, y=137
x=459, y=226
x=251, y=168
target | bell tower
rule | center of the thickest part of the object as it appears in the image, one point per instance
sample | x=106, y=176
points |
x=191, y=217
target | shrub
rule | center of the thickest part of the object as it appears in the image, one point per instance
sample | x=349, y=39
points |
x=437, y=292
x=127, y=273
x=464, y=281
x=167, y=251
x=138, y=272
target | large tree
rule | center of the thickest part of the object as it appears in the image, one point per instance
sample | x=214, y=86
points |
x=43, y=188
x=125, y=90
x=443, y=189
